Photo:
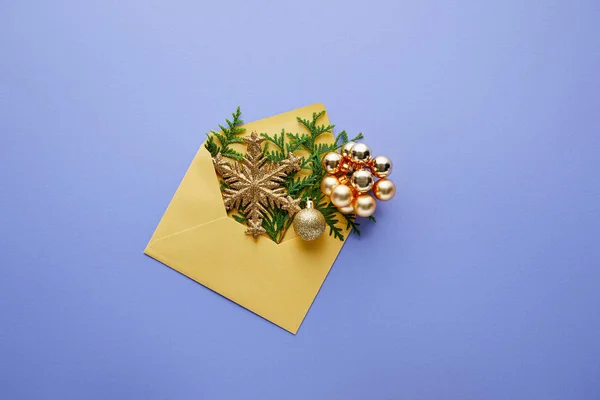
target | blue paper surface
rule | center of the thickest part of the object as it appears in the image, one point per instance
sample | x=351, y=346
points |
x=480, y=280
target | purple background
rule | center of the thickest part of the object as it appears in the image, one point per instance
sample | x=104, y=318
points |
x=480, y=280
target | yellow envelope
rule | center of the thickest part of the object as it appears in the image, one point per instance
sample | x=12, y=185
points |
x=197, y=238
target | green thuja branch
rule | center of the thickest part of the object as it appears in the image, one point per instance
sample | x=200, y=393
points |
x=276, y=224
x=227, y=137
x=331, y=214
x=342, y=138
x=277, y=140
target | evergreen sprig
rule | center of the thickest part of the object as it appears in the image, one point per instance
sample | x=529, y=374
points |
x=227, y=137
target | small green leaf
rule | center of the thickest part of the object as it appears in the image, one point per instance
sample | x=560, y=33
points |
x=239, y=218
x=341, y=139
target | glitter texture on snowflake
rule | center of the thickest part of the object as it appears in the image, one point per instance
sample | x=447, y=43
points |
x=255, y=184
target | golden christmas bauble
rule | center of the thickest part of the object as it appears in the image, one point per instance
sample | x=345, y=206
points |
x=346, y=148
x=332, y=161
x=384, y=189
x=382, y=166
x=341, y=196
x=309, y=223
x=364, y=205
x=360, y=152
x=362, y=180
x=328, y=183
x=347, y=210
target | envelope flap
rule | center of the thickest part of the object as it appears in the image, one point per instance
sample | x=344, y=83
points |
x=197, y=200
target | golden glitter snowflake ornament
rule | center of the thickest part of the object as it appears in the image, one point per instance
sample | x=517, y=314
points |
x=253, y=184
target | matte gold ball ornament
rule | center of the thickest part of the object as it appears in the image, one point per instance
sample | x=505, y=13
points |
x=309, y=223
x=328, y=183
x=384, y=189
x=342, y=196
x=347, y=210
x=365, y=205
x=355, y=179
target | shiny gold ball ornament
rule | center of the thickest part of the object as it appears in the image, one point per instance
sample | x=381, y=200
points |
x=345, y=150
x=381, y=166
x=364, y=205
x=341, y=196
x=362, y=180
x=349, y=169
x=332, y=162
x=360, y=152
x=328, y=183
x=309, y=223
x=384, y=189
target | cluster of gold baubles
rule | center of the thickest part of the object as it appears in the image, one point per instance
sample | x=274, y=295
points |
x=352, y=174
